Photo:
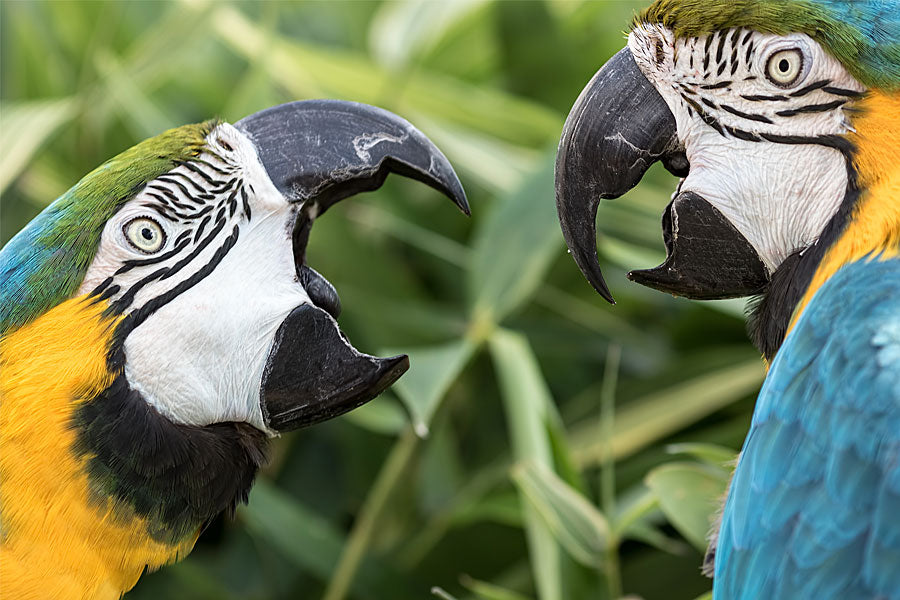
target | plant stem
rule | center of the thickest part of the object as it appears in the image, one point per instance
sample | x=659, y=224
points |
x=613, y=574
x=364, y=527
x=608, y=466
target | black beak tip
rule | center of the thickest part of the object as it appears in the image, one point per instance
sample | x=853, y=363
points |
x=391, y=369
x=462, y=203
x=313, y=373
x=599, y=284
x=640, y=276
x=449, y=185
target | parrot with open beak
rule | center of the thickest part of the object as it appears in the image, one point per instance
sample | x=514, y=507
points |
x=159, y=323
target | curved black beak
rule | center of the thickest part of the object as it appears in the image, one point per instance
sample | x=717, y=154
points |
x=322, y=151
x=314, y=374
x=317, y=153
x=618, y=127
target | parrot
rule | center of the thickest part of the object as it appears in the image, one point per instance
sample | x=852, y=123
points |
x=781, y=119
x=159, y=324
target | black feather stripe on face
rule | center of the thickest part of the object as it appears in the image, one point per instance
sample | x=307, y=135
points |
x=721, y=84
x=186, y=195
x=116, y=358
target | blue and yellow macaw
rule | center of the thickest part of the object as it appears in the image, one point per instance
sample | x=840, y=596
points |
x=159, y=323
x=782, y=117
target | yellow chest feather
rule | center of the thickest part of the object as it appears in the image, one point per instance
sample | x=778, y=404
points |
x=874, y=227
x=57, y=538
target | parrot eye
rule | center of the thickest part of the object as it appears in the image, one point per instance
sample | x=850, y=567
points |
x=785, y=67
x=145, y=235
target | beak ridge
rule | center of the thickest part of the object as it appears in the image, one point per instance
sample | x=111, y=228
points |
x=618, y=127
x=322, y=151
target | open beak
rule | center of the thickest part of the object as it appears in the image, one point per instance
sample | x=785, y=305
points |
x=618, y=127
x=317, y=153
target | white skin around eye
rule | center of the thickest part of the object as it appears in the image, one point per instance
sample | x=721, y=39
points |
x=199, y=358
x=778, y=195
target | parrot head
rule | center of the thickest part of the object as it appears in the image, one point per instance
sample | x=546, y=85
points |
x=159, y=322
x=195, y=241
x=778, y=116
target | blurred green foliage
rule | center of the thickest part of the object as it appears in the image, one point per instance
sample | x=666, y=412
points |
x=520, y=457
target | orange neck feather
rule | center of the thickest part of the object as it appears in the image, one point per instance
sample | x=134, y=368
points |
x=58, y=539
x=874, y=227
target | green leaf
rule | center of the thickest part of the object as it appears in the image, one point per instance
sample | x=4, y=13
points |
x=431, y=371
x=404, y=29
x=382, y=415
x=139, y=112
x=577, y=524
x=27, y=126
x=298, y=533
x=410, y=233
x=514, y=247
x=647, y=533
x=489, y=591
x=525, y=395
x=503, y=508
x=711, y=454
x=647, y=420
x=689, y=494
x=308, y=541
x=637, y=513
x=441, y=471
x=203, y=584
x=442, y=593
x=632, y=507
x=494, y=164
x=735, y=307
x=310, y=71
x=627, y=255
x=526, y=401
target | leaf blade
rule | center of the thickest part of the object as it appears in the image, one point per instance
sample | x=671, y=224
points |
x=579, y=527
x=689, y=495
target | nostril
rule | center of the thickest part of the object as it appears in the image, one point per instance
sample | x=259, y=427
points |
x=320, y=291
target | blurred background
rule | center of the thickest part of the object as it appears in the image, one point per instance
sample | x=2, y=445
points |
x=544, y=444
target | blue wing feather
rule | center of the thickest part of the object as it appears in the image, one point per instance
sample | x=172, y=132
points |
x=814, y=507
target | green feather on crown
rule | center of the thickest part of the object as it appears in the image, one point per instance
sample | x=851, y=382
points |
x=863, y=34
x=45, y=263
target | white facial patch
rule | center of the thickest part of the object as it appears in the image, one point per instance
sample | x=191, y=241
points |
x=229, y=283
x=760, y=118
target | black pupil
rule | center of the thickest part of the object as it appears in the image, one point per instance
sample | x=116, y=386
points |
x=784, y=65
x=147, y=233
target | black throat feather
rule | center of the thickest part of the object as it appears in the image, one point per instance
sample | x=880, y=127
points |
x=770, y=313
x=175, y=476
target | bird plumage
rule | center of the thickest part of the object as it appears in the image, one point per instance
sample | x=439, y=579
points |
x=783, y=118
x=159, y=324
x=812, y=510
x=62, y=536
x=863, y=34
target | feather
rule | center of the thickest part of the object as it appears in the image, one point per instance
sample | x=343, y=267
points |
x=812, y=510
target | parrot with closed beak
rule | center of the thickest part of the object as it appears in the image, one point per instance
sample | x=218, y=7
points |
x=782, y=118
x=159, y=323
